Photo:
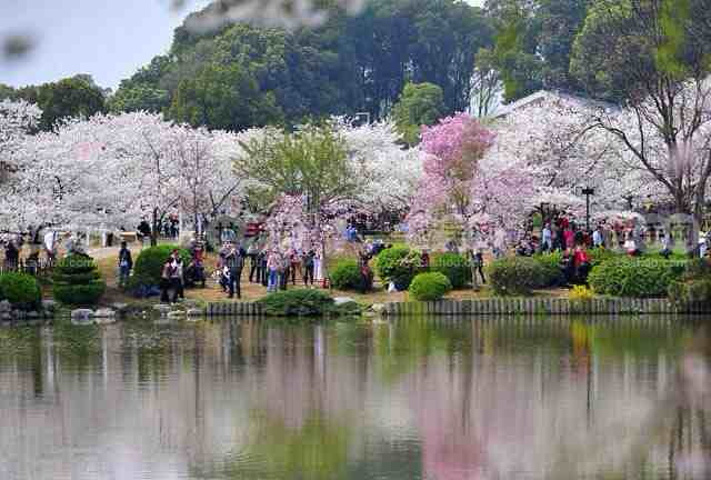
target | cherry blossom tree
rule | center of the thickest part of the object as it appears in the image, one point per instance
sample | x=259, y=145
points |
x=111, y=170
x=666, y=137
x=464, y=187
x=390, y=173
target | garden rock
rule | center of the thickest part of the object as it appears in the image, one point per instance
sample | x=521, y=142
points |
x=163, y=310
x=82, y=314
x=342, y=300
x=5, y=307
x=378, y=307
x=49, y=305
x=33, y=315
x=176, y=314
x=104, y=313
x=195, y=312
x=120, y=308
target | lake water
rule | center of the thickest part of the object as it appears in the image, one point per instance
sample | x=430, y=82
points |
x=431, y=399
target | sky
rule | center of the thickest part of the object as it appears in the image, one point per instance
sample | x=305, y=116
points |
x=108, y=39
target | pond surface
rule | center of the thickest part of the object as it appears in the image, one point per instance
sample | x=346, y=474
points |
x=410, y=399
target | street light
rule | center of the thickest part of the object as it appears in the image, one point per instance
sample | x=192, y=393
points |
x=587, y=191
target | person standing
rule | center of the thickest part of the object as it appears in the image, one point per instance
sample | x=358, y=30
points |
x=253, y=255
x=546, y=238
x=166, y=276
x=295, y=265
x=273, y=265
x=234, y=261
x=598, y=238
x=12, y=256
x=125, y=264
x=308, y=267
x=177, y=276
x=285, y=263
x=144, y=230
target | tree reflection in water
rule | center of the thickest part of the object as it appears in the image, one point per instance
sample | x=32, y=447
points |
x=412, y=398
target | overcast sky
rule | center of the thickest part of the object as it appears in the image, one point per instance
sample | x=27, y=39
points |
x=108, y=39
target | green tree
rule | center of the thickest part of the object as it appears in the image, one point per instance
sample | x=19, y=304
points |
x=70, y=97
x=225, y=98
x=420, y=104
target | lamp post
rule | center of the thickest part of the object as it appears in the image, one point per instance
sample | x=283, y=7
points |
x=587, y=191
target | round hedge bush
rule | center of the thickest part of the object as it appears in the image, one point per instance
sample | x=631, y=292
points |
x=76, y=281
x=453, y=266
x=149, y=264
x=516, y=275
x=398, y=265
x=346, y=276
x=21, y=290
x=635, y=277
x=429, y=286
x=297, y=303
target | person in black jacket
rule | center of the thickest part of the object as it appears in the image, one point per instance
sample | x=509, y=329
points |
x=125, y=264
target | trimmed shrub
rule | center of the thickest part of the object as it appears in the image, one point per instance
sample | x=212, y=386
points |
x=684, y=294
x=297, y=303
x=635, y=277
x=398, y=265
x=551, y=275
x=601, y=255
x=149, y=264
x=21, y=290
x=429, y=286
x=346, y=275
x=516, y=275
x=76, y=280
x=454, y=267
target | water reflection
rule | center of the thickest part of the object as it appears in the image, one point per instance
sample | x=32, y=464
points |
x=416, y=398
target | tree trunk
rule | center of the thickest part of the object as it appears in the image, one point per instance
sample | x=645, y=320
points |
x=154, y=228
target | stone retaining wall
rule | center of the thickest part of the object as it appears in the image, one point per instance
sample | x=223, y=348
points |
x=540, y=306
x=497, y=306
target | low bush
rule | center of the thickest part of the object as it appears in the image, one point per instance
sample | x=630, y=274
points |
x=601, y=255
x=398, y=265
x=516, y=275
x=300, y=302
x=430, y=286
x=683, y=294
x=551, y=274
x=76, y=281
x=635, y=277
x=346, y=275
x=149, y=264
x=21, y=290
x=454, y=267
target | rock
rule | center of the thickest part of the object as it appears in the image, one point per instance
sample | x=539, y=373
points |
x=33, y=315
x=49, y=305
x=104, y=313
x=196, y=312
x=378, y=308
x=5, y=306
x=176, y=314
x=120, y=308
x=82, y=314
x=105, y=320
x=342, y=300
x=6, y=317
x=163, y=310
